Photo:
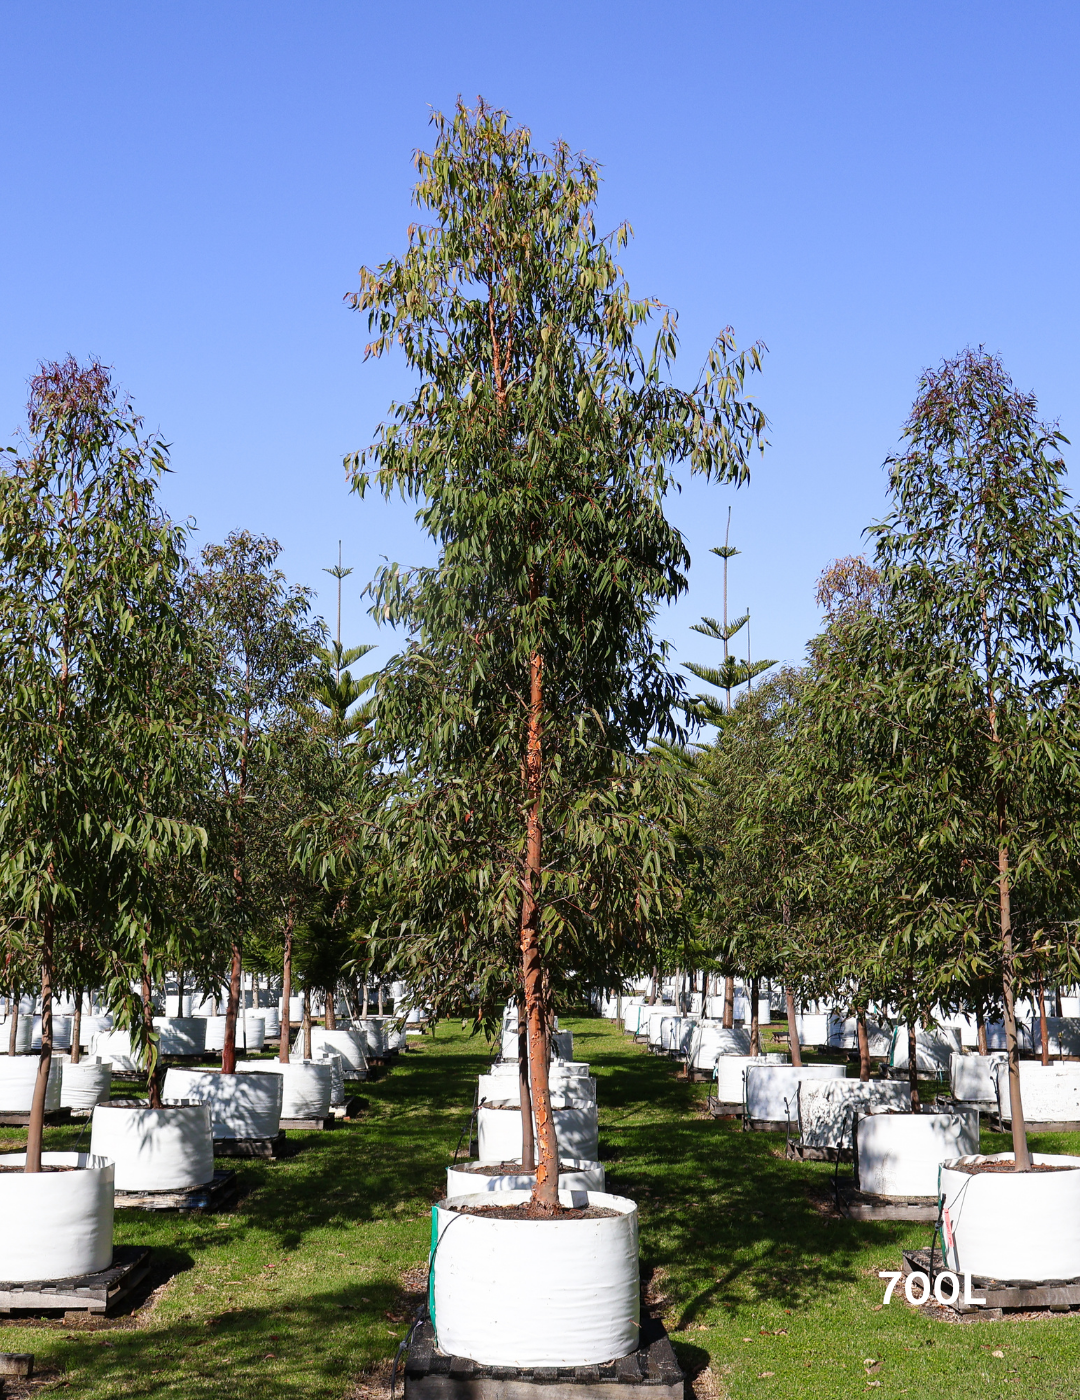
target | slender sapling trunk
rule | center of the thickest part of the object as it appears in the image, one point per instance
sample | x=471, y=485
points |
x=35, y=1132
x=286, y=986
x=153, y=1064
x=755, y=1028
x=13, y=1030
x=1021, y=1151
x=980, y=1028
x=864, y=1044
x=228, y=1052
x=792, y=1026
x=331, y=1012
x=528, y=1144
x=76, y=1027
x=913, y=1061
x=729, y=1003
x=307, y=1024
x=1043, y=1036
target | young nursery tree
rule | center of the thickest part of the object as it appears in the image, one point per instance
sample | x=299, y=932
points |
x=540, y=443
x=965, y=679
x=93, y=727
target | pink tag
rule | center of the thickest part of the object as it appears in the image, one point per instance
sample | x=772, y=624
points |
x=946, y=1229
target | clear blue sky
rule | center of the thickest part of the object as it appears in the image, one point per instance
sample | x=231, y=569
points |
x=189, y=189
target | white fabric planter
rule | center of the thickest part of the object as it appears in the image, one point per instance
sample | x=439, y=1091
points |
x=296, y=1010
x=813, y=1027
x=181, y=1035
x=709, y=1039
x=115, y=1048
x=499, y=1133
x=1049, y=1093
x=1014, y=1225
x=61, y=1033
x=23, y=1035
x=337, y=1076
x=562, y=1045
x=844, y=1035
x=18, y=1075
x=772, y=1091
x=652, y=1025
x=348, y=1045
x=933, y=1049
x=372, y=1038
x=174, y=1009
x=632, y=1014
x=251, y=1034
x=1062, y=1035
x=396, y=1037
x=576, y=1304
x=271, y=1022
x=730, y=1073
x=86, y=1084
x=971, y=1078
x=241, y=1105
x=55, y=1224
x=827, y=1107
x=155, y=1149
x=898, y=1154
x=573, y=1176
x=214, y=1034
x=91, y=1026
x=676, y=1032
x=567, y=1091
x=306, y=1087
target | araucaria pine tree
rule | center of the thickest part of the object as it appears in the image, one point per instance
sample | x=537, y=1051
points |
x=540, y=444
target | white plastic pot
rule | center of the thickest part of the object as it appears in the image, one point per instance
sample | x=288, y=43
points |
x=576, y=1304
x=61, y=1033
x=709, y=1039
x=306, y=1087
x=56, y=1224
x=18, y=1075
x=971, y=1078
x=181, y=1035
x=772, y=1091
x=827, y=1107
x=1062, y=1035
x=1050, y=1093
x=813, y=1027
x=349, y=1045
x=241, y=1105
x=23, y=1035
x=85, y=1084
x=898, y=1154
x=573, y=1176
x=155, y=1149
x=114, y=1047
x=1014, y=1225
x=499, y=1133
x=933, y=1048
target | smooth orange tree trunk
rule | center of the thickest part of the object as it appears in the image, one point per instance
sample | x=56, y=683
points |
x=36, y=1131
x=228, y=1053
x=286, y=986
x=528, y=1143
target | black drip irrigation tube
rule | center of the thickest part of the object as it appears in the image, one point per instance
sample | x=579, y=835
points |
x=478, y=1104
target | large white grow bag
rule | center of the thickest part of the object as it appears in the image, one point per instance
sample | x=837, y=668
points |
x=372, y=1035
x=562, y=1045
x=155, y=1149
x=933, y=1049
x=214, y=1034
x=61, y=1033
x=676, y=1034
x=86, y=1084
x=241, y=1105
x=772, y=1091
x=827, y=1107
x=57, y=1224
x=181, y=1035
x=1014, y=1225
x=709, y=1039
x=1050, y=1093
x=174, y=1009
x=652, y=1025
x=499, y=1133
x=971, y=1078
x=296, y=1010
x=349, y=1045
x=573, y=1176
x=22, y=1035
x=730, y=1075
x=898, y=1154
x=18, y=1075
x=91, y=1026
x=271, y=1022
x=1062, y=1035
x=844, y=1035
x=633, y=1011
x=567, y=1091
x=813, y=1027
x=306, y=1087
x=250, y=1031
x=576, y=1304
x=115, y=1048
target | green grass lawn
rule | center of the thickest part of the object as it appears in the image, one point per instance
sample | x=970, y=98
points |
x=305, y=1289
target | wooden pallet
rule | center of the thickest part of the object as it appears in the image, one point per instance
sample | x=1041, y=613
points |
x=250, y=1147
x=94, y=1293
x=218, y=1194
x=1003, y=1295
x=723, y=1110
x=54, y=1118
x=308, y=1125
x=801, y=1152
x=860, y=1205
x=650, y=1373
x=1004, y=1125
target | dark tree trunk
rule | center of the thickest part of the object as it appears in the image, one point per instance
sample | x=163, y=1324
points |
x=864, y=1044
x=228, y=1053
x=307, y=1024
x=729, y=1003
x=380, y=998
x=13, y=1030
x=1043, y=1036
x=76, y=1027
x=545, y=1196
x=1021, y=1151
x=755, y=1028
x=330, y=1018
x=35, y=1132
x=792, y=1026
x=980, y=1027
x=286, y=986
x=153, y=1063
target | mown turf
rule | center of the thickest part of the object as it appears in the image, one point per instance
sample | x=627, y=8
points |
x=766, y=1294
